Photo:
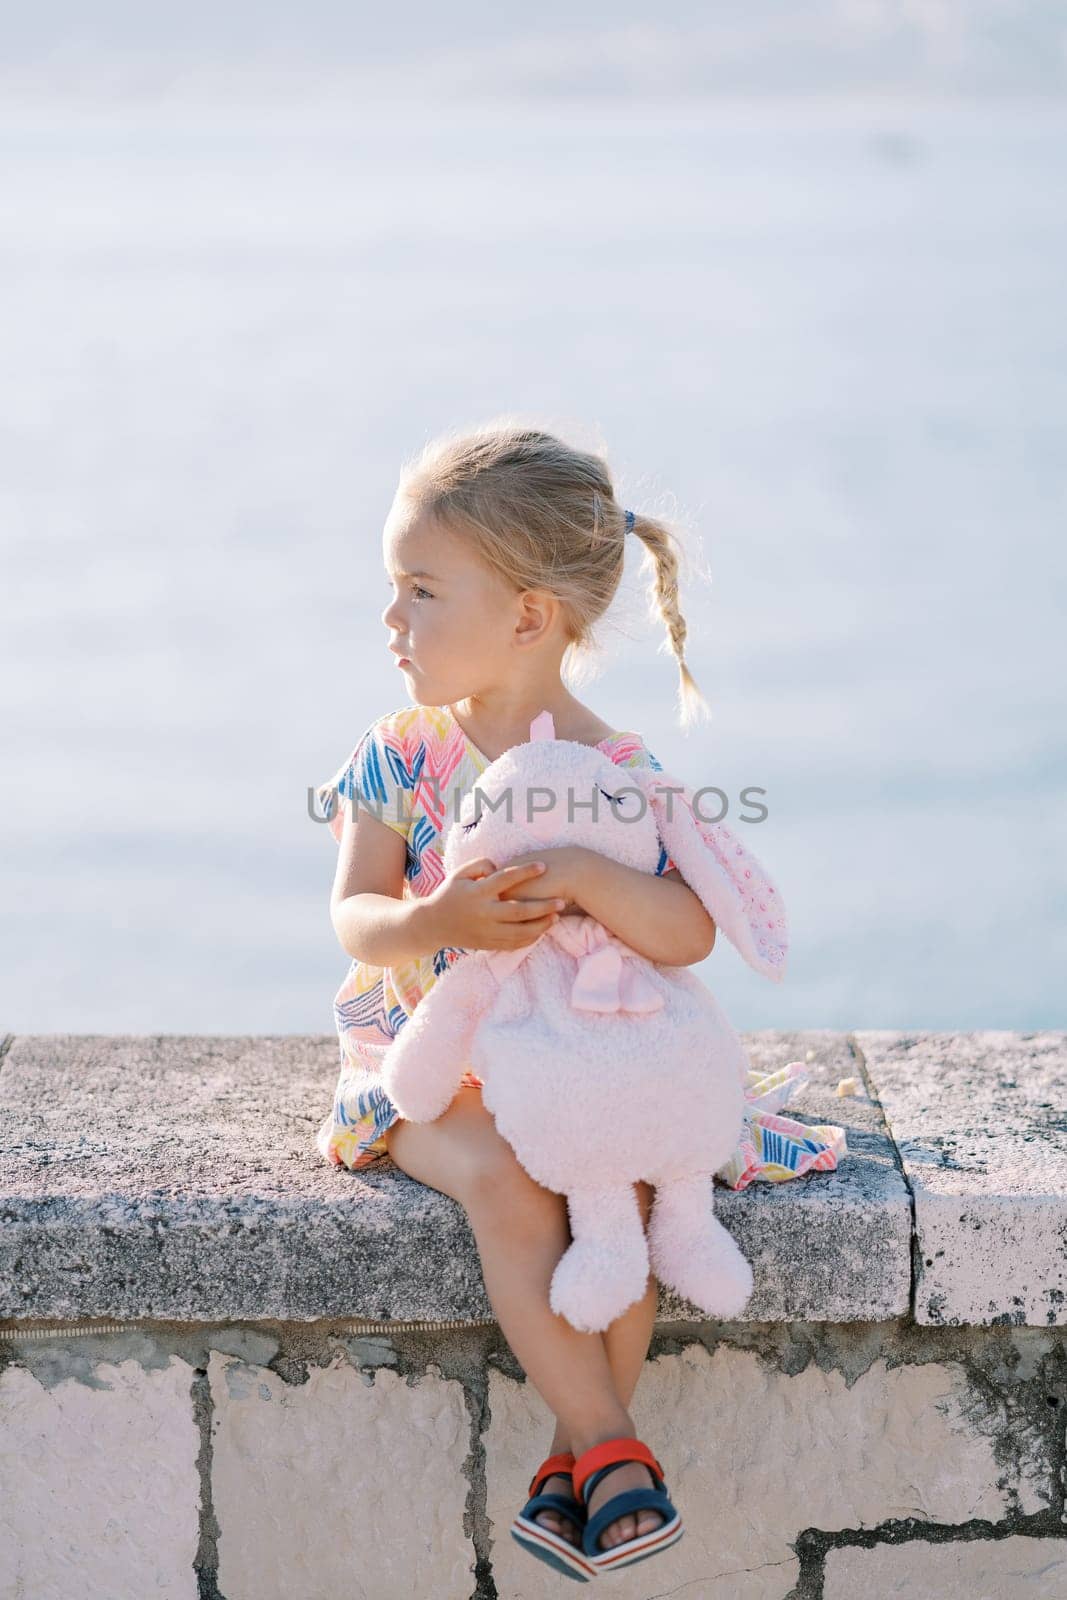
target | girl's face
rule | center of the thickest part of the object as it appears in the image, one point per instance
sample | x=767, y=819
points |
x=448, y=614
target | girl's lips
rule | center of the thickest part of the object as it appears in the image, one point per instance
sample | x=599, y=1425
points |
x=403, y=661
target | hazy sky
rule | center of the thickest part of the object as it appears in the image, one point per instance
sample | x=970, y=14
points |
x=482, y=50
x=251, y=258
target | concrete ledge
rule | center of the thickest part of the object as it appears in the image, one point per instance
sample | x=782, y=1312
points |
x=980, y=1121
x=175, y=1178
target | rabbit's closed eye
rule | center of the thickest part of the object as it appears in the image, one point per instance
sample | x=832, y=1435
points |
x=627, y=806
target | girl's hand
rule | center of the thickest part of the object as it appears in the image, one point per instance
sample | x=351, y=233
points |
x=472, y=913
x=559, y=878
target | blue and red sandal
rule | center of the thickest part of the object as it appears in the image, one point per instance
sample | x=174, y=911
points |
x=542, y=1542
x=594, y=1464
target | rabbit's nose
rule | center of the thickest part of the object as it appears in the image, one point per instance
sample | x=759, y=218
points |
x=544, y=825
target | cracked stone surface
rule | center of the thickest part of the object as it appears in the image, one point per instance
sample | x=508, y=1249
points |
x=349, y=1483
x=1016, y=1568
x=980, y=1120
x=753, y=1456
x=99, y=1484
x=174, y=1177
x=285, y=1444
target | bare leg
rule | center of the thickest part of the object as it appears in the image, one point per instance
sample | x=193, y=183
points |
x=626, y=1342
x=521, y=1230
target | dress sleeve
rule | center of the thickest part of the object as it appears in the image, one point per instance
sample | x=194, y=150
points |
x=637, y=754
x=376, y=776
x=664, y=864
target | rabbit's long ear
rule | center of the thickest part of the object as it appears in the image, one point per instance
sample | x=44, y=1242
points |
x=735, y=890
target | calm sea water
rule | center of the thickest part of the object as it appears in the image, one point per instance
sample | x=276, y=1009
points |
x=830, y=339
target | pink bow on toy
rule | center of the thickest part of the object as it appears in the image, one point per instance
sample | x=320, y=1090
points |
x=604, y=981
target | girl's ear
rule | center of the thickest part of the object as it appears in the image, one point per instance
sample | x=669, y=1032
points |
x=735, y=890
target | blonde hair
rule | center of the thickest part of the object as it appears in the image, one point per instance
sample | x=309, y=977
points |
x=542, y=514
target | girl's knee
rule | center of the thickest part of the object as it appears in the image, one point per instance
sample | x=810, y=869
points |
x=494, y=1176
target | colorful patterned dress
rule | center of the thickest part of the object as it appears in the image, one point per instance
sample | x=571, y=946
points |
x=411, y=767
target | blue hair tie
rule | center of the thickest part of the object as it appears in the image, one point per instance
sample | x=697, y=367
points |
x=629, y=522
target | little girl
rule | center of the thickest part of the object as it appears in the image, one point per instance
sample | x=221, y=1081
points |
x=502, y=549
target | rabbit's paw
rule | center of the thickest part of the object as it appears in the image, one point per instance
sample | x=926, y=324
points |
x=710, y=1271
x=592, y=1285
x=418, y=1097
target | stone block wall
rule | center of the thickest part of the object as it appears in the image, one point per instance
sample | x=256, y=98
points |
x=195, y=1401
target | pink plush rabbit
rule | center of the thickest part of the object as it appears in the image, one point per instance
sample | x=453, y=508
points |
x=641, y=1055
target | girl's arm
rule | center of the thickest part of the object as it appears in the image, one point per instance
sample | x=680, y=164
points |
x=659, y=917
x=372, y=920
x=467, y=909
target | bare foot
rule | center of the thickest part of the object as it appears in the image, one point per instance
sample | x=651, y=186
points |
x=555, y=1521
x=631, y=1475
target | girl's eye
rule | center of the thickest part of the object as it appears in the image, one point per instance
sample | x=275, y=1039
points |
x=418, y=590
x=608, y=796
x=467, y=826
